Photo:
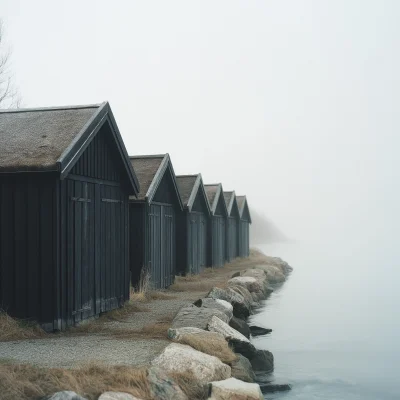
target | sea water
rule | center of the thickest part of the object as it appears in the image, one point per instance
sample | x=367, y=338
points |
x=335, y=321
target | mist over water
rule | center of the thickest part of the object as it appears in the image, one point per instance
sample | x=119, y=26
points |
x=335, y=321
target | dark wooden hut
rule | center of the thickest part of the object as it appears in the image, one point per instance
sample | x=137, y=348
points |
x=65, y=181
x=244, y=225
x=216, y=249
x=192, y=225
x=232, y=228
x=153, y=221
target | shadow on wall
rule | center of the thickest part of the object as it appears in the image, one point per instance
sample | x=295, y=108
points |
x=263, y=230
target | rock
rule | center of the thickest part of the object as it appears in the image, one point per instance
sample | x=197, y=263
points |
x=239, y=342
x=117, y=396
x=65, y=395
x=258, y=330
x=181, y=358
x=234, y=389
x=274, y=274
x=250, y=283
x=258, y=274
x=244, y=292
x=257, y=296
x=163, y=387
x=241, y=326
x=271, y=388
x=242, y=369
x=240, y=307
x=179, y=334
x=262, y=361
x=197, y=317
x=235, y=274
x=279, y=263
x=221, y=305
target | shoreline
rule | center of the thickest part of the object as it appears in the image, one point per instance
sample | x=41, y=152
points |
x=189, y=333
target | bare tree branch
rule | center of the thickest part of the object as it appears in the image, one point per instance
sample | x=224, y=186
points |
x=9, y=96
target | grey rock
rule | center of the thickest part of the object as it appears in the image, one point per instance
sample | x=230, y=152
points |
x=197, y=317
x=162, y=387
x=258, y=274
x=262, y=361
x=179, y=335
x=182, y=358
x=219, y=304
x=274, y=274
x=234, y=389
x=271, y=388
x=258, y=330
x=117, y=396
x=235, y=274
x=65, y=395
x=241, y=326
x=244, y=292
x=242, y=369
x=250, y=283
x=241, y=309
x=239, y=342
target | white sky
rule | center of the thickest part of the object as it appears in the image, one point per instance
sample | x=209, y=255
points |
x=294, y=103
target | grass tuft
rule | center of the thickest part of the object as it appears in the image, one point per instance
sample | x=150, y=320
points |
x=217, y=347
x=190, y=386
x=25, y=382
x=18, y=329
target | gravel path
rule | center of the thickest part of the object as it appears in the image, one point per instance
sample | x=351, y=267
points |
x=70, y=351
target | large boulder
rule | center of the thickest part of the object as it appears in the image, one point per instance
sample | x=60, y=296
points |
x=274, y=274
x=250, y=283
x=219, y=304
x=163, y=387
x=241, y=309
x=197, y=317
x=239, y=342
x=279, y=263
x=234, y=389
x=241, y=326
x=181, y=358
x=244, y=292
x=65, y=395
x=272, y=388
x=258, y=274
x=117, y=396
x=178, y=335
x=242, y=369
x=262, y=361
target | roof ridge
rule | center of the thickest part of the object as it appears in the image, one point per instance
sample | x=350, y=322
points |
x=148, y=156
x=187, y=176
x=58, y=108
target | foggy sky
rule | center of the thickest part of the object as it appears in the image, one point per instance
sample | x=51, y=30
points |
x=293, y=103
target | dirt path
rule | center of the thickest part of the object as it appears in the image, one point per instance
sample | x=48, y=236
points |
x=130, y=341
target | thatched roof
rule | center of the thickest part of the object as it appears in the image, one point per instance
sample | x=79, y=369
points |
x=185, y=185
x=146, y=168
x=35, y=139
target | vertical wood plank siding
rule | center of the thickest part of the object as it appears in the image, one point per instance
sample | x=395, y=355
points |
x=64, y=245
x=244, y=244
x=232, y=238
x=27, y=247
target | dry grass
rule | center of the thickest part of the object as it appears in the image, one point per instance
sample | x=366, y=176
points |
x=28, y=382
x=15, y=329
x=190, y=386
x=217, y=347
x=158, y=330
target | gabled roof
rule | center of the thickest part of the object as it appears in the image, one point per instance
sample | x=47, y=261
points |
x=53, y=139
x=242, y=204
x=230, y=201
x=189, y=186
x=150, y=170
x=214, y=192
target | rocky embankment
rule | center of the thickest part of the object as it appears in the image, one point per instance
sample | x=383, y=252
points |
x=211, y=343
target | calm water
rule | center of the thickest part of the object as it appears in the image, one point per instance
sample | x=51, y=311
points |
x=336, y=321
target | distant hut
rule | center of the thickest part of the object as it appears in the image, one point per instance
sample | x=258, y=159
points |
x=217, y=230
x=65, y=181
x=232, y=229
x=192, y=225
x=153, y=221
x=244, y=224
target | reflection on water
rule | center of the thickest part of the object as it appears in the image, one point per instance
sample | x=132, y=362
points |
x=335, y=322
